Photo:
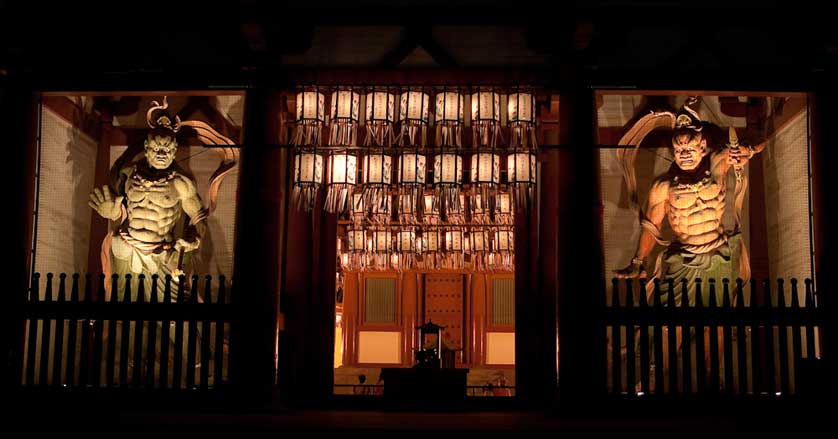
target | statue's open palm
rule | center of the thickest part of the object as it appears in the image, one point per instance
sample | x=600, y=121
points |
x=107, y=206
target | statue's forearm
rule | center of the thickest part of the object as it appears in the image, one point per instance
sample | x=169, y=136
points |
x=646, y=244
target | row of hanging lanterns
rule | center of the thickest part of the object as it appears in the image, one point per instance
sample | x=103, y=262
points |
x=340, y=166
x=341, y=171
x=469, y=210
x=448, y=247
x=414, y=117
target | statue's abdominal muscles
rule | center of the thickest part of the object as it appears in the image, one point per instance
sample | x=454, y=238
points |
x=695, y=211
x=152, y=210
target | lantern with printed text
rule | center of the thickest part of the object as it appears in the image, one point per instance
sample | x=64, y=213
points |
x=380, y=247
x=358, y=210
x=448, y=119
x=521, y=175
x=308, y=177
x=480, y=246
x=341, y=180
x=504, y=248
x=381, y=213
x=431, y=209
x=377, y=175
x=411, y=180
x=521, y=118
x=432, y=243
x=448, y=179
x=380, y=117
x=485, y=118
x=414, y=110
x=485, y=177
x=356, y=239
x=343, y=123
x=454, y=248
x=504, y=212
x=310, y=116
x=406, y=244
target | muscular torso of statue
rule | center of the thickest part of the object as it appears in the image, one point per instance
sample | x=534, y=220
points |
x=153, y=209
x=695, y=210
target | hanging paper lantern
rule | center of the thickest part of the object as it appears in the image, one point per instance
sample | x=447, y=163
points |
x=407, y=210
x=454, y=240
x=414, y=117
x=485, y=177
x=380, y=247
x=432, y=246
x=456, y=214
x=521, y=116
x=382, y=241
x=504, y=240
x=358, y=210
x=411, y=180
x=433, y=242
x=480, y=247
x=406, y=242
x=377, y=177
x=431, y=209
x=381, y=213
x=504, y=249
x=503, y=214
x=454, y=248
x=479, y=240
x=341, y=181
x=356, y=247
x=485, y=118
x=380, y=116
x=449, y=119
x=448, y=179
x=344, y=118
x=521, y=175
x=356, y=240
x=310, y=117
x=308, y=177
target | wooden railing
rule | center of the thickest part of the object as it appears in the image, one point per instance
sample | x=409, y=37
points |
x=750, y=342
x=171, y=335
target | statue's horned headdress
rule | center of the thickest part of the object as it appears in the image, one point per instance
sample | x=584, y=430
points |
x=688, y=118
x=158, y=117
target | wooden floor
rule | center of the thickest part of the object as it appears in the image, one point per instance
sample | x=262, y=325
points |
x=92, y=417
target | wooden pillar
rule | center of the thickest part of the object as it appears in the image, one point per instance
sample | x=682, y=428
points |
x=20, y=114
x=535, y=290
x=308, y=303
x=256, y=269
x=757, y=221
x=409, y=291
x=351, y=284
x=580, y=278
x=823, y=159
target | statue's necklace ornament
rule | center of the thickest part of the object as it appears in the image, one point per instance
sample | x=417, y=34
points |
x=692, y=187
x=136, y=175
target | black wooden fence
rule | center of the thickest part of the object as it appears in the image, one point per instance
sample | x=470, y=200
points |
x=174, y=336
x=752, y=343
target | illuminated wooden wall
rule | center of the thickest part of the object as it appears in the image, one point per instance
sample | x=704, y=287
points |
x=460, y=300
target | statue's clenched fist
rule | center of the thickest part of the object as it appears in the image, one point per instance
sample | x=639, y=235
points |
x=105, y=205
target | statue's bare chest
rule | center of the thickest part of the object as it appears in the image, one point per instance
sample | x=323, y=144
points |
x=687, y=195
x=159, y=193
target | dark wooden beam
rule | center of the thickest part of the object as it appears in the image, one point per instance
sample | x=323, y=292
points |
x=414, y=37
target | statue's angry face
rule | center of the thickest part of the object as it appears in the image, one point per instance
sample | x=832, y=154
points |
x=688, y=149
x=160, y=151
